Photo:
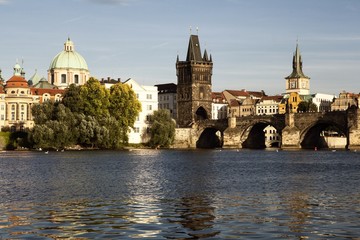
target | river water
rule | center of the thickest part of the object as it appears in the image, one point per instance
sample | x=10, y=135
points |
x=180, y=194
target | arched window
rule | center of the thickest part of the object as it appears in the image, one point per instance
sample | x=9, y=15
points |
x=76, y=78
x=63, y=78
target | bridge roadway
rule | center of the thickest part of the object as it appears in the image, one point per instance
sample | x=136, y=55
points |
x=297, y=130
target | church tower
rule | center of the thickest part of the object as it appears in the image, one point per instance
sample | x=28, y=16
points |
x=193, y=85
x=297, y=81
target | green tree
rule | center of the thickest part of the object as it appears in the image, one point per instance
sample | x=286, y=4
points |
x=162, y=129
x=89, y=115
x=302, y=107
x=43, y=112
x=94, y=98
x=42, y=136
x=307, y=106
x=124, y=105
x=72, y=99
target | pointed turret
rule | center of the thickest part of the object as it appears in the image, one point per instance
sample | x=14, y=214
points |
x=17, y=69
x=194, y=52
x=297, y=65
x=205, y=58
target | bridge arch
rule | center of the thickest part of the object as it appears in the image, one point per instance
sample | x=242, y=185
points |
x=255, y=135
x=209, y=133
x=210, y=137
x=201, y=114
x=324, y=134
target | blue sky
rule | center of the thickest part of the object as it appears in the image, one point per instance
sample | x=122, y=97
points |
x=251, y=42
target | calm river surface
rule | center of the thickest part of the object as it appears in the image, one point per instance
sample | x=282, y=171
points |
x=172, y=194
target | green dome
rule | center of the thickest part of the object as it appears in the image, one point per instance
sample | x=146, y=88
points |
x=68, y=58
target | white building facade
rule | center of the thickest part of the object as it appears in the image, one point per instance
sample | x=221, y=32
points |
x=323, y=101
x=219, y=106
x=268, y=105
x=167, y=98
x=148, y=97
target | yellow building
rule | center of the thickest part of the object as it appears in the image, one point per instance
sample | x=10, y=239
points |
x=16, y=102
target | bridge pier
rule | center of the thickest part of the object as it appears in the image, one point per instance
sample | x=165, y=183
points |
x=354, y=130
x=290, y=134
x=290, y=138
x=232, y=138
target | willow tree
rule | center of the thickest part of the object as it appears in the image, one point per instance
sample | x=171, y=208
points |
x=162, y=129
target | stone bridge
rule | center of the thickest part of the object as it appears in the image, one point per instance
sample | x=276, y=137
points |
x=297, y=130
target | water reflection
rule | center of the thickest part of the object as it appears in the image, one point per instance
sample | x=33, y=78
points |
x=197, y=217
x=180, y=195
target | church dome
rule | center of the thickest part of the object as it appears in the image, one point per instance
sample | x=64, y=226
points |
x=17, y=81
x=68, y=58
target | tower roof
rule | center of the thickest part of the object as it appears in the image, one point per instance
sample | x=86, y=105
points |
x=194, y=50
x=297, y=66
x=44, y=84
x=17, y=80
x=35, y=78
x=68, y=58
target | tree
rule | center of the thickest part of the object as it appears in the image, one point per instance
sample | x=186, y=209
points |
x=302, y=107
x=94, y=99
x=55, y=126
x=43, y=112
x=307, y=106
x=89, y=115
x=124, y=105
x=162, y=129
x=72, y=99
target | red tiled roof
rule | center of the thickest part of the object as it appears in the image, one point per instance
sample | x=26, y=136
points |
x=218, y=97
x=244, y=93
x=276, y=98
x=41, y=91
x=17, y=81
x=234, y=103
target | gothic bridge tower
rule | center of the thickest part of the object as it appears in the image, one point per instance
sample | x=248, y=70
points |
x=193, y=85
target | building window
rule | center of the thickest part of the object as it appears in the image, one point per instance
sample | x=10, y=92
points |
x=148, y=96
x=46, y=97
x=76, y=78
x=136, y=130
x=2, y=107
x=13, y=107
x=63, y=78
x=149, y=107
x=22, y=116
x=22, y=107
x=2, y=117
x=13, y=116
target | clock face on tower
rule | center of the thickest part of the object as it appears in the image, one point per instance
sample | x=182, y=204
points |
x=292, y=84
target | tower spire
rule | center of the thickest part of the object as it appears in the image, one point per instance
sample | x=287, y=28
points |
x=297, y=65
